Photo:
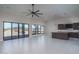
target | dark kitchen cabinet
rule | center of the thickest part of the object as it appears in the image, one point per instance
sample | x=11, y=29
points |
x=74, y=34
x=60, y=35
x=65, y=35
x=76, y=26
x=64, y=26
x=61, y=26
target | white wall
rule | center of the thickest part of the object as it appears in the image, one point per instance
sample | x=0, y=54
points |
x=14, y=18
x=52, y=25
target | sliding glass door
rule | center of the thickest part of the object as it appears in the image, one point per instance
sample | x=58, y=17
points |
x=21, y=31
x=26, y=30
x=42, y=29
x=34, y=29
x=7, y=30
x=14, y=30
x=39, y=29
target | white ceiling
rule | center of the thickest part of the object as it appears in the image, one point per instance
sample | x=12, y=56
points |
x=50, y=11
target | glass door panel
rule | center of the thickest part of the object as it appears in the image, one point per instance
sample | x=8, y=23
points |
x=39, y=29
x=33, y=29
x=21, y=33
x=20, y=29
x=14, y=30
x=42, y=29
x=26, y=30
x=7, y=31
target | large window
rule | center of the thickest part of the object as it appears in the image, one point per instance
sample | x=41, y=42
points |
x=42, y=29
x=7, y=30
x=13, y=30
x=39, y=29
x=26, y=29
x=20, y=30
x=23, y=30
x=34, y=29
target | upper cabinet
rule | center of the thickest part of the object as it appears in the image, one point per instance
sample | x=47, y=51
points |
x=76, y=26
x=61, y=26
x=68, y=26
x=64, y=26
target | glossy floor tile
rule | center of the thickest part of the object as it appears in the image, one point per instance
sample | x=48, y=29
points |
x=39, y=45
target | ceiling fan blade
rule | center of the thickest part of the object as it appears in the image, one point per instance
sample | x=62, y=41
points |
x=32, y=15
x=36, y=15
x=37, y=11
x=40, y=13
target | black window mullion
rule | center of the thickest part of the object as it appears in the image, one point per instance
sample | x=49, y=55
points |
x=18, y=30
x=11, y=30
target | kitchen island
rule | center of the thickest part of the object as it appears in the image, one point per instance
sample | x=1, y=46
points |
x=65, y=35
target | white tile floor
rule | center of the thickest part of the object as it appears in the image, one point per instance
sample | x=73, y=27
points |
x=39, y=45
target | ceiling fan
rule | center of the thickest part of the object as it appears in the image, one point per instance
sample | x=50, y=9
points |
x=33, y=12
